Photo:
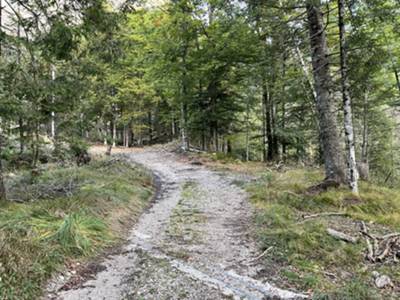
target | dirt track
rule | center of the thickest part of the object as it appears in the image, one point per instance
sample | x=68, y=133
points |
x=193, y=243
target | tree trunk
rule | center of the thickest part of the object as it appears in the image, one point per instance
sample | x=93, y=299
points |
x=185, y=140
x=306, y=73
x=352, y=174
x=125, y=137
x=271, y=139
x=172, y=129
x=184, y=98
x=53, y=115
x=216, y=138
x=363, y=167
x=105, y=134
x=311, y=87
x=109, y=149
x=248, y=129
x=36, y=146
x=283, y=105
x=3, y=194
x=274, y=141
x=264, y=118
x=203, y=139
x=228, y=146
x=114, y=132
x=329, y=136
x=150, y=124
x=21, y=135
x=1, y=27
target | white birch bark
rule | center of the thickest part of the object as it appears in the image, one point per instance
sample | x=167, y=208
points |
x=53, y=115
x=352, y=173
x=185, y=143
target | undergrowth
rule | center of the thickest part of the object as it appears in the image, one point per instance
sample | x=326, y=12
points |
x=304, y=255
x=37, y=237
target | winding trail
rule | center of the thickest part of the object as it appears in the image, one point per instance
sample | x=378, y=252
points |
x=192, y=244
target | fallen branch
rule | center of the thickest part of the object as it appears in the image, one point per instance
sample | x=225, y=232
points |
x=389, y=236
x=293, y=194
x=389, y=243
x=364, y=231
x=261, y=255
x=342, y=236
x=326, y=214
x=388, y=248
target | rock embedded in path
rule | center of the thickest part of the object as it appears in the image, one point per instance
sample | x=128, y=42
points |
x=382, y=281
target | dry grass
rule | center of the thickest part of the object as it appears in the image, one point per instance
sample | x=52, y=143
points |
x=36, y=238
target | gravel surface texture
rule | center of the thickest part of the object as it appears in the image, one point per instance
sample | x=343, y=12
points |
x=193, y=243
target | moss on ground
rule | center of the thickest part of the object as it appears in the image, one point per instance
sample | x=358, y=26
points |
x=37, y=237
x=308, y=258
x=186, y=214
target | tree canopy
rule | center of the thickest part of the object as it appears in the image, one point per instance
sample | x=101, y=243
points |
x=256, y=80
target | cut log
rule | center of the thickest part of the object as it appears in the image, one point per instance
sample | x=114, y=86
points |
x=341, y=236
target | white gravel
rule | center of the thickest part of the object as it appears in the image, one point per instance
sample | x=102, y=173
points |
x=156, y=265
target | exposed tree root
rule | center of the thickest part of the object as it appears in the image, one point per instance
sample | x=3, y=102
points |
x=322, y=187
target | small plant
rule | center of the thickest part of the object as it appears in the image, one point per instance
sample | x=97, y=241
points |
x=76, y=233
x=79, y=149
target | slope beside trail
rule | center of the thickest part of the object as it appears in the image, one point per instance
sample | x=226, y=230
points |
x=193, y=243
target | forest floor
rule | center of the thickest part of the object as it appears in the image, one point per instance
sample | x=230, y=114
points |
x=293, y=221
x=64, y=215
x=196, y=242
x=220, y=228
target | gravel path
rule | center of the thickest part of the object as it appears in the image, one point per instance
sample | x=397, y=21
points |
x=192, y=244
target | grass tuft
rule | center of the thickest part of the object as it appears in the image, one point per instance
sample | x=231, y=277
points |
x=38, y=236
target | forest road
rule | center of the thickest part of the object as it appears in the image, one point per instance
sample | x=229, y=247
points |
x=193, y=243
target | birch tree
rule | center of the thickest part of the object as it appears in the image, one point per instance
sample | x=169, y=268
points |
x=352, y=174
x=3, y=195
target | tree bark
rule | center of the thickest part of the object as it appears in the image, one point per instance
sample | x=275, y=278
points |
x=264, y=119
x=248, y=129
x=184, y=96
x=114, y=132
x=363, y=167
x=283, y=105
x=126, y=136
x=185, y=140
x=1, y=28
x=3, y=194
x=150, y=124
x=53, y=115
x=271, y=138
x=326, y=107
x=21, y=135
x=352, y=173
x=36, y=145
